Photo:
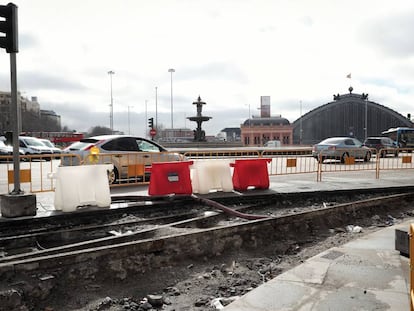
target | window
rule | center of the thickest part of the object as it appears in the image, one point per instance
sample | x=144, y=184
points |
x=349, y=142
x=121, y=144
x=147, y=146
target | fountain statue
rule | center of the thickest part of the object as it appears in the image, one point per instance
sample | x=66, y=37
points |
x=199, y=134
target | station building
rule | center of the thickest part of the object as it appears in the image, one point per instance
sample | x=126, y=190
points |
x=352, y=115
x=256, y=131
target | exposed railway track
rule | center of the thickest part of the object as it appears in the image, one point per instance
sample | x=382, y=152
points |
x=155, y=223
x=144, y=234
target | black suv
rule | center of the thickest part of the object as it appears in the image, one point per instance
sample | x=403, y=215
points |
x=384, y=145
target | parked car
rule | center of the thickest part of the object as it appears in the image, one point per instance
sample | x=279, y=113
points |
x=272, y=144
x=51, y=146
x=7, y=150
x=33, y=146
x=385, y=144
x=340, y=148
x=121, y=150
x=4, y=149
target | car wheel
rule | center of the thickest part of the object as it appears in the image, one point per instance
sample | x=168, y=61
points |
x=113, y=176
x=368, y=157
x=344, y=157
x=24, y=158
x=382, y=154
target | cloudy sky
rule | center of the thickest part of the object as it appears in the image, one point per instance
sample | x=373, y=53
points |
x=229, y=52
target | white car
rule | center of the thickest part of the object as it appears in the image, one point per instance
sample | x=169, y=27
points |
x=7, y=150
x=51, y=146
x=122, y=151
x=33, y=146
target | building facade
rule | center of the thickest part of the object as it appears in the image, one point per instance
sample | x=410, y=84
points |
x=256, y=131
x=32, y=117
x=351, y=115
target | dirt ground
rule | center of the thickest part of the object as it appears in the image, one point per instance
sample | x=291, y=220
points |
x=209, y=284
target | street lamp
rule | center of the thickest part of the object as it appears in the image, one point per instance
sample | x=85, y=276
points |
x=146, y=118
x=129, y=127
x=171, y=70
x=156, y=107
x=111, y=113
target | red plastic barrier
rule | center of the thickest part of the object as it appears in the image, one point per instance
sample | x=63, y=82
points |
x=251, y=173
x=170, y=178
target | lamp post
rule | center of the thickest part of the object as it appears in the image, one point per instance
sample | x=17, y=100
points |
x=111, y=106
x=366, y=118
x=146, y=118
x=156, y=107
x=171, y=70
x=129, y=127
x=300, y=125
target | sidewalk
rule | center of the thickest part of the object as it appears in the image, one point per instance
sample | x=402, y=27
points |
x=365, y=274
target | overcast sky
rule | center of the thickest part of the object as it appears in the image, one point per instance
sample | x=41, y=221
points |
x=229, y=52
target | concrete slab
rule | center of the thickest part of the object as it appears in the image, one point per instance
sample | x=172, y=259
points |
x=365, y=274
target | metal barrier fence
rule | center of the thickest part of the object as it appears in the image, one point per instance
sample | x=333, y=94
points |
x=404, y=161
x=411, y=252
x=34, y=173
x=131, y=168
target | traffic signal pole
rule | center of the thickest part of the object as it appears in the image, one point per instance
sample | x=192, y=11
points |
x=16, y=203
x=16, y=121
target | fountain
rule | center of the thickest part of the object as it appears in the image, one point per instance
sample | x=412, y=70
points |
x=199, y=134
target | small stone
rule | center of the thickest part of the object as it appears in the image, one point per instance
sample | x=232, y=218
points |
x=155, y=300
x=145, y=306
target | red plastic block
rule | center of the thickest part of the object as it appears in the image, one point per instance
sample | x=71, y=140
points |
x=170, y=178
x=251, y=173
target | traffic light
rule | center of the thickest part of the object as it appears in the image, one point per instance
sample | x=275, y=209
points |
x=151, y=123
x=9, y=138
x=8, y=28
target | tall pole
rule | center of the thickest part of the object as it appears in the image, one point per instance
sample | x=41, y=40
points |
x=366, y=118
x=156, y=107
x=111, y=113
x=250, y=116
x=171, y=70
x=300, y=123
x=17, y=127
x=129, y=122
x=146, y=119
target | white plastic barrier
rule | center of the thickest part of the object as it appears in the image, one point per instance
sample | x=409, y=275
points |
x=82, y=185
x=211, y=175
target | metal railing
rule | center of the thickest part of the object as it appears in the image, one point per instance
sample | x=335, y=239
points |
x=34, y=172
x=131, y=168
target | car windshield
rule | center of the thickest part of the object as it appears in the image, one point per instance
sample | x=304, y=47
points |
x=33, y=142
x=47, y=143
x=331, y=141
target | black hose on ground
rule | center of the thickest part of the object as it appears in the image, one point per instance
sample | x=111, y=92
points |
x=203, y=201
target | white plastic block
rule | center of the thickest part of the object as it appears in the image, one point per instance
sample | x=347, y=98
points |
x=210, y=175
x=82, y=185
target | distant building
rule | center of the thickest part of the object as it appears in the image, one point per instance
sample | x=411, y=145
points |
x=175, y=135
x=50, y=120
x=347, y=115
x=32, y=117
x=230, y=134
x=256, y=131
